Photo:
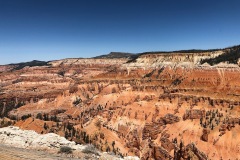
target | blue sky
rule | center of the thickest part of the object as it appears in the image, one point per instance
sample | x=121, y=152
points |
x=56, y=29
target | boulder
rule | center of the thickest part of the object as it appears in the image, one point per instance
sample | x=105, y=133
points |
x=169, y=119
x=151, y=130
x=161, y=153
x=167, y=144
x=204, y=136
x=193, y=114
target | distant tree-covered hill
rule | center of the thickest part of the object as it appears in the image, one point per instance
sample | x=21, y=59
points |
x=231, y=55
x=115, y=55
x=30, y=64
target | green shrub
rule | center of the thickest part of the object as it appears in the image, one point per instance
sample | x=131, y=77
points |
x=90, y=149
x=65, y=149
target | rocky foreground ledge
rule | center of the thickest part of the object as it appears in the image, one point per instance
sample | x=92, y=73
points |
x=27, y=139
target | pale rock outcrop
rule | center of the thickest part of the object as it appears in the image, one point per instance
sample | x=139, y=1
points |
x=14, y=136
x=30, y=139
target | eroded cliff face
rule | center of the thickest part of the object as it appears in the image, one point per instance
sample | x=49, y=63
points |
x=159, y=106
x=156, y=60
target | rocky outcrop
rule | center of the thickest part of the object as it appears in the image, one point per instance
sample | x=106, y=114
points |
x=193, y=114
x=88, y=62
x=151, y=130
x=169, y=119
x=6, y=68
x=167, y=144
x=196, y=151
x=188, y=152
x=161, y=153
x=205, y=133
x=30, y=139
x=134, y=140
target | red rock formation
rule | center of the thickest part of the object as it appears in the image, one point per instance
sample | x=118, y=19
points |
x=193, y=114
x=204, y=136
x=131, y=107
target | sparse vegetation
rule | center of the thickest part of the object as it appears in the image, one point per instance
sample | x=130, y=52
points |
x=90, y=149
x=65, y=149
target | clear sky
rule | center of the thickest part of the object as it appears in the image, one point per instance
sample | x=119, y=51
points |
x=55, y=29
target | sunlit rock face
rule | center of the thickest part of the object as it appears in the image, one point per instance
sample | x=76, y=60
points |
x=176, y=105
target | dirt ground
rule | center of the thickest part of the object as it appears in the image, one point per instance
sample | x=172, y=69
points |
x=12, y=153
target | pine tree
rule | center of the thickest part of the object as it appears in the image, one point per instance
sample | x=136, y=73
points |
x=45, y=126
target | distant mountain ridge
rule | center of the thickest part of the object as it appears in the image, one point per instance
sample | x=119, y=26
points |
x=230, y=55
